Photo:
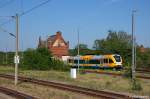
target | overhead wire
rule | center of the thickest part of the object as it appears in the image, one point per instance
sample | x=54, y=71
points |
x=6, y=22
x=4, y=30
x=1, y=6
x=35, y=7
x=27, y=11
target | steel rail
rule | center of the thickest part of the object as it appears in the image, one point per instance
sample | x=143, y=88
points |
x=143, y=70
x=16, y=94
x=114, y=74
x=81, y=90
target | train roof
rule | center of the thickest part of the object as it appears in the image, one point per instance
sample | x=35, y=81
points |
x=92, y=56
x=97, y=56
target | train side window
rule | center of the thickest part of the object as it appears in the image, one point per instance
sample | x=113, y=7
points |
x=82, y=61
x=75, y=61
x=105, y=61
x=90, y=61
x=70, y=61
x=87, y=61
x=110, y=61
x=94, y=61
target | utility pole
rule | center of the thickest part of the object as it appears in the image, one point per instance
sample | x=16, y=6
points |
x=133, y=47
x=3, y=58
x=6, y=56
x=78, y=52
x=47, y=42
x=16, y=54
x=16, y=58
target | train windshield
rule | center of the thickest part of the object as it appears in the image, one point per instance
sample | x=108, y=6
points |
x=117, y=58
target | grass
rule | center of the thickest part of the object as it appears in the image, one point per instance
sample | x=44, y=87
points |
x=6, y=69
x=41, y=92
x=94, y=81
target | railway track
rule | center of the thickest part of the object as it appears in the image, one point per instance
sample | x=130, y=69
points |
x=140, y=70
x=77, y=89
x=114, y=74
x=143, y=70
x=16, y=94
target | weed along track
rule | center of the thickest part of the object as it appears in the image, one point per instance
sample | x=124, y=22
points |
x=16, y=94
x=77, y=89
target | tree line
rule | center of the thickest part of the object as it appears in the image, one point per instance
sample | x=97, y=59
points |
x=115, y=43
x=34, y=59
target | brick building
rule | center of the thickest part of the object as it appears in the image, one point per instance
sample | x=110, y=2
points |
x=56, y=44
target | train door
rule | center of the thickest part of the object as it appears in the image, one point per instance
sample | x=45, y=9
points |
x=106, y=63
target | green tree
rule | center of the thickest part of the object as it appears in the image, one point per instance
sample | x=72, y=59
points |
x=116, y=43
x=83, y=50
x=143, y=58
x=6, y=58
x=39, y=59
x=2, y=58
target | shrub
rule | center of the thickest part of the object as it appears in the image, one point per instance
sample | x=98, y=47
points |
x=127, y=73
x=136, y=85
x=41, y=59
x=59, y=65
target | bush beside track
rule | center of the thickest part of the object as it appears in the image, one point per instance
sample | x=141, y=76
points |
x=41, y=59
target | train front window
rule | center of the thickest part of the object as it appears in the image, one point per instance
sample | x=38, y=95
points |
x=117, y=58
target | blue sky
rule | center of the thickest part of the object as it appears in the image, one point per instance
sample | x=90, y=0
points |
x=93, y=18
